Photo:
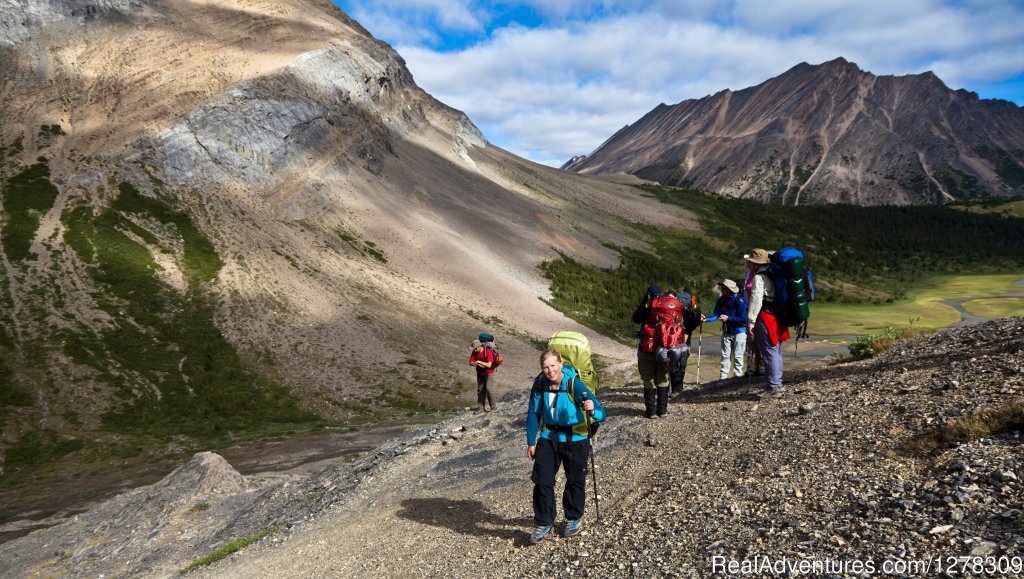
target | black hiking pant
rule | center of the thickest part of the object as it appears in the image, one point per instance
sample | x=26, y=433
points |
x=545, y=466
x=656, y=401
x=655, y=381
x=483, y=389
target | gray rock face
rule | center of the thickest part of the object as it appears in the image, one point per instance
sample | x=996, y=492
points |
x=19, y=18
x=266, y=125
x=137, y=532
x=827, y=133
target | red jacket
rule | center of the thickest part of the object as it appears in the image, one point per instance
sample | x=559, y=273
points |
x=776, y=331
x=486, y=356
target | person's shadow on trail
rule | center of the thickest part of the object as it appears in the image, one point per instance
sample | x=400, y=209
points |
x=468, y=517
x=626, y=401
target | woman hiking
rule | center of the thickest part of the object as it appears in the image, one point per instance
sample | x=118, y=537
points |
x=557, y=412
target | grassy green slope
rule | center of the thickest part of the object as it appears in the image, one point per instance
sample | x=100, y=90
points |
x=164, y=368
x=859, y=255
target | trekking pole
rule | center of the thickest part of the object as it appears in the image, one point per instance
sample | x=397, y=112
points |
x=750, y=362
x=593, y=469
x=700, y=338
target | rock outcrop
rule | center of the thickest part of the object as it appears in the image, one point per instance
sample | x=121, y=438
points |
x=829, y=133
x=19, y=19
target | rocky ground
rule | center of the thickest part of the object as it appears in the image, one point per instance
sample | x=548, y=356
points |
x=821, y=476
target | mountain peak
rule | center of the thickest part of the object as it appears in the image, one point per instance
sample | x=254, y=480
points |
x=827, y=133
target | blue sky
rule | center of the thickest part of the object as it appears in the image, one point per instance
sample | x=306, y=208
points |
x=549, y=79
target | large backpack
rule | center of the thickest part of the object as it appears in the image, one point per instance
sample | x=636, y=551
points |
x=575, y=350
x=691, y=313
x=488, y=343
x=794, y=287
x=664, y=326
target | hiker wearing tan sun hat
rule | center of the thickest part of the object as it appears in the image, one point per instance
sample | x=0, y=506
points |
x=731, y=310
x=768, y=332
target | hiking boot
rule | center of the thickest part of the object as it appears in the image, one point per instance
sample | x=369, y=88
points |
x=572, y=527
x=773, y=393
x=653, y=416
x=538, y=533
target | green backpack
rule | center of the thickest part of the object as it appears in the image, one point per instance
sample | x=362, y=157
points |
x=575, y=350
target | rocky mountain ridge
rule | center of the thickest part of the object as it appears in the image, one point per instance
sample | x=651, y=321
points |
x=828, y=133
x=827, y=473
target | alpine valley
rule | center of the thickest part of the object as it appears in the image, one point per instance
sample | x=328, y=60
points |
x=240, y=226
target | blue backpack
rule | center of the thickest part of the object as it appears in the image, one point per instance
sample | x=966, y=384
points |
x=794, y=287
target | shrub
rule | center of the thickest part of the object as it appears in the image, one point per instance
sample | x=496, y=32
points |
x=26, y=197
x=870, y=345
x=228, y=549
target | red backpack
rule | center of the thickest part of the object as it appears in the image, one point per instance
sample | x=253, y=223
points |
x=664, y=327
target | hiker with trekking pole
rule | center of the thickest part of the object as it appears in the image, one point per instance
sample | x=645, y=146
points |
x=560, y=418
x=692, y=321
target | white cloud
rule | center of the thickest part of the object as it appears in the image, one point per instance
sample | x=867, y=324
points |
x=561, y=89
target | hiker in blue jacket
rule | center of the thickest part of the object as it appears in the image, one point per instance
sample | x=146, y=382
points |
x=731, y=310
x=564, y=438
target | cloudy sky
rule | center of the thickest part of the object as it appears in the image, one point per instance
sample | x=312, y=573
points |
x=549, y=79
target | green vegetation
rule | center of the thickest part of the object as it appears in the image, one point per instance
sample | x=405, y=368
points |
x=174, y=370
x=604, y=299
x=228, y=549
x=981, y=424
x=11, y=394
x=34, y=450
x=26, y=197
x=925, y=304
x=50, y=130
x=856, y=319
x=859, y=255
x=201, y=262
x=367, y=247
x=1008, y=207
x=199, y=507
x=992, y=308
x=172, y=374
x=13, y=149
x=870, y=345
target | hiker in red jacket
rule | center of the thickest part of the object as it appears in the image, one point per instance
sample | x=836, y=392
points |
x=483, y=359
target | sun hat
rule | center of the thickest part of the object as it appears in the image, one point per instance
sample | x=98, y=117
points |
x=757, y=255
x=477, y=343
x=730, y=285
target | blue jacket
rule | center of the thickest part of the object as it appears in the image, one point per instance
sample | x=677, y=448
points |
x=541, y=416
x=734, y=307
